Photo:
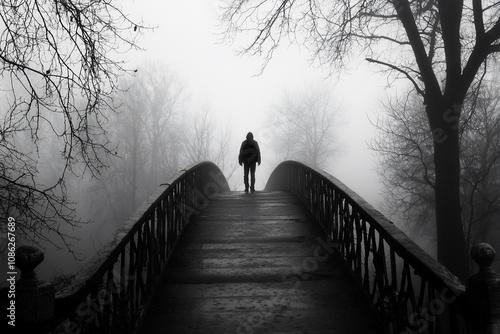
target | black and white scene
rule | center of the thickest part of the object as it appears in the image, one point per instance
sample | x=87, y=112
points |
x=250, y=167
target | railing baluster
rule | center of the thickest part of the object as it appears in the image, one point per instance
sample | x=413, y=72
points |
x=394, y=276
x=131, y=284
x=404, y=287
x=406, y=290
x=109, y=300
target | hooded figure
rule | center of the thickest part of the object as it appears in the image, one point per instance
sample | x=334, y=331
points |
x=249, y=156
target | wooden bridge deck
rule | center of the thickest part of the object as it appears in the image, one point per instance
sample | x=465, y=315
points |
x=257, y=263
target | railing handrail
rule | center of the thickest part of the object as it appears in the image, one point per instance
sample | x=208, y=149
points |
x=200, y=175
x=423, y=264
x=131, y=225
x=395, y=236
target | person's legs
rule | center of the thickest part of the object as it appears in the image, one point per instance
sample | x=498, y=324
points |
x=252, y=176
x=246, y=168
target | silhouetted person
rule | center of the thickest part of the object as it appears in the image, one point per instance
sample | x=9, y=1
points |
x=249, y=156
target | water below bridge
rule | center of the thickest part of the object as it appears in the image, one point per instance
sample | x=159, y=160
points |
x=257, y=263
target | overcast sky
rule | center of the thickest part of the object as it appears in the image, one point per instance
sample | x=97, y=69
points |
x=187, y=41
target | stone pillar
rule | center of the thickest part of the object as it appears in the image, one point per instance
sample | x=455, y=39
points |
x=34, y=298
x=483, y=292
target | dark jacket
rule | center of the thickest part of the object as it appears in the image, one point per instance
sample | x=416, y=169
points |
x=249, y=151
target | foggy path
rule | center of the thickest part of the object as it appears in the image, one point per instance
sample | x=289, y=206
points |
x=257, y=263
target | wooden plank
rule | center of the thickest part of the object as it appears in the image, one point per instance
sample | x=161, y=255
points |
x=257, y=263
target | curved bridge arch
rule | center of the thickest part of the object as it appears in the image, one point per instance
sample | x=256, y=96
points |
x=123, y=277
x=401, y=280
x=408, y=288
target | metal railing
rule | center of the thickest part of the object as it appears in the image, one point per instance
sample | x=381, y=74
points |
x=113, y=298
x=411, y=292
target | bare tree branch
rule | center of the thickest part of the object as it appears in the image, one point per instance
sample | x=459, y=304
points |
x=419, y=90
x=59, y=62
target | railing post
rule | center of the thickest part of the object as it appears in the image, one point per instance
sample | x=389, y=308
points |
x=483, y=292
x=34, y=298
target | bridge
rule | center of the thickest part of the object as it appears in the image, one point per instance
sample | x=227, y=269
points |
x=306, y=255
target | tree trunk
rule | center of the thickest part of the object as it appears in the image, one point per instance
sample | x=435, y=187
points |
x=443, y=116
x=451, y=245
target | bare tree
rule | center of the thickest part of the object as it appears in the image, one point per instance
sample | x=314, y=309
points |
x=146, y=133
x=205, y=139
x=407, y=169
x=480, y=156
x=59, y=65
x=121, y=186
x=164, y=95
x=440, y=46
x=303, y=127
x=224, y=154
x=199, y=133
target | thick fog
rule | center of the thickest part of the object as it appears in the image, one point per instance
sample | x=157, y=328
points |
x=185, y=46
x=210, y=90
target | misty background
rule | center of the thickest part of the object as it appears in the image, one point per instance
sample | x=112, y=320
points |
x=193, y=98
